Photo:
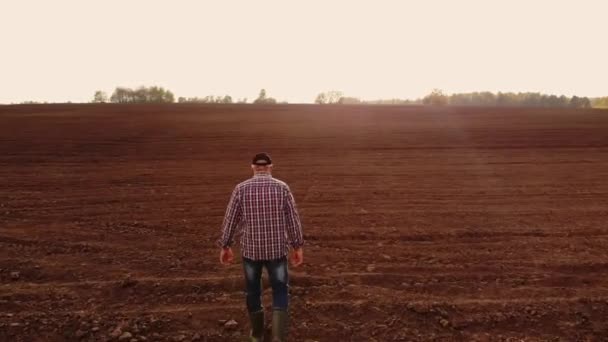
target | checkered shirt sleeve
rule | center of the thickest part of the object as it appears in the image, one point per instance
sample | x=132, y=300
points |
x=232, y=219
x=293, y=224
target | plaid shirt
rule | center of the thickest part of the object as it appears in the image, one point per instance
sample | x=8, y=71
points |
x=265, y=210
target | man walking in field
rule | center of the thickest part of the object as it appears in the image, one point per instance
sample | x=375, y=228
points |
x=265, y=210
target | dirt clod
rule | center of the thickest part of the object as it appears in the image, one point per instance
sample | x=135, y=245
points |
x=125, y=336
x=231, y=325
x=117, y=332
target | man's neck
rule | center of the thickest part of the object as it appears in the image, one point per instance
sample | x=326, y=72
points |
x=262, y=174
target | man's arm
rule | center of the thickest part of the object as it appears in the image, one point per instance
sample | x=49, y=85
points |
x=232, y=219
x=294, y=226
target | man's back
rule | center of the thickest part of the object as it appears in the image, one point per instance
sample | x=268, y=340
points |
x=265, y=210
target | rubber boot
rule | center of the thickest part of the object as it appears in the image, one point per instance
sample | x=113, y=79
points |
x=257, y=326
x=280, y=320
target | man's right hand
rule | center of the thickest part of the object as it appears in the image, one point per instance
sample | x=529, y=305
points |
x=297, y=257
x=226, y=256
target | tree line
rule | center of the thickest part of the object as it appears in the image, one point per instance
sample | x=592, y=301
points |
x=509, y=99
x=156, y=94
x=142, y=94
x=438, y=98
x=209, y=99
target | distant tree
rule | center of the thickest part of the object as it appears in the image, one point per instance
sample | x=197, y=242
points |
x=487, y=98
x=121, y=95
x=460, y=99
x=334, y=96
x=160, y=95
x=156, y=95
x=142, y=95
x=167, y=96
x=435, y=98
x=506, y=99
x=100, y=97
x=261, y=97
x=531, y=99
x=206, y=99
x=579, y=102
x=188, y=100
x=321, y=99
x=329, y=97
x=264, y=99
x=575, y=102
x=585, y=103
x=349, y=100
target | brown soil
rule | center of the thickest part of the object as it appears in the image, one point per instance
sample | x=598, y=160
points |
x=421, y=224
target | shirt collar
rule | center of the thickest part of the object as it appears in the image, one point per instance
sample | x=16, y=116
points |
x=262, y=174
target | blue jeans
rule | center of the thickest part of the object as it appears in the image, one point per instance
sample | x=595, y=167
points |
x=279, y=280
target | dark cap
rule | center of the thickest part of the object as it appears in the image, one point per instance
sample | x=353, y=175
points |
x=261, y=159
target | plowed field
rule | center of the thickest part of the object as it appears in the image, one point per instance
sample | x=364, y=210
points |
x=448, y=224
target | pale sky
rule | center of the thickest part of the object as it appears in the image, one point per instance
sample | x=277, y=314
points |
x=64, y=50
